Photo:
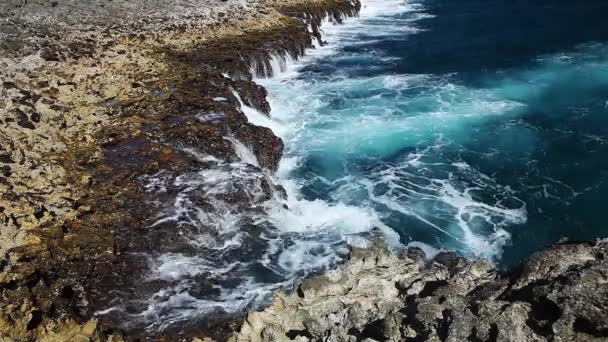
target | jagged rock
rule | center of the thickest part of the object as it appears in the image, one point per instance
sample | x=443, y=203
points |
x=559, y=295
x=124, y=97
x=96, y=96
x=253, y=95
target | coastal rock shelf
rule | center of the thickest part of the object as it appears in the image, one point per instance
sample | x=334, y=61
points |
x=97, y=103
x=125, y=139
x=559, y=295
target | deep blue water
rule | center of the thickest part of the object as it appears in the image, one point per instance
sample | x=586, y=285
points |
x=475, y=126
x=480, y=126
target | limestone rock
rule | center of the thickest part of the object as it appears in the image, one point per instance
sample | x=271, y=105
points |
x=559, y=295
x=94, y=97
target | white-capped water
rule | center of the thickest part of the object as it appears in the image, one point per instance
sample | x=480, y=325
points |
x=232, y=255
x=366, y=156
x=378, y=118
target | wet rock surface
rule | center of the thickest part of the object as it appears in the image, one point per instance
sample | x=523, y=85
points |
x=98, y=101
x=109, y=113
x=558, y=295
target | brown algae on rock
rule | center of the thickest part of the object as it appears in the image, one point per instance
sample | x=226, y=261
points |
x=90, y=109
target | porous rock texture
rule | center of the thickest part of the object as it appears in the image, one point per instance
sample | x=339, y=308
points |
x=560, y=294
x=96, y=95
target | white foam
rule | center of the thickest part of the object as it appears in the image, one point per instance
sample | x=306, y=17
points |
x=176, y=266
x=243, y=152
x=429, y=251
x=209, y=117
x=338, y=35
x=289, y=236
x=156, y=182
x=174, y=305
x=412, y=193
x=403, y=81
x=259, y=119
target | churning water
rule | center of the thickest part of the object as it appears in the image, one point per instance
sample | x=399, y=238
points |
x=469, y=125
x=477, y=126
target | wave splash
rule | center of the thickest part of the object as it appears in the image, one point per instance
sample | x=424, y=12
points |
x=233, y=254
x=368, y=152
x=388, y=144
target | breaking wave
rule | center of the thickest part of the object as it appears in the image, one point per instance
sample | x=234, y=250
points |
x=431, y=160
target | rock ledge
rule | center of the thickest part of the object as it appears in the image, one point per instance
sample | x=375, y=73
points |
x=560, y=294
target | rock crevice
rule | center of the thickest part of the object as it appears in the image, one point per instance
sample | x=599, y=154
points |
x=381, y=295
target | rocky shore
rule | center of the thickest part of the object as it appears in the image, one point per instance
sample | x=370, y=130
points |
x=97, y=96
x=558, y=295
x=100, y=99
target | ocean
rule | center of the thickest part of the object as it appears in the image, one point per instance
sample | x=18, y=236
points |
x=474, y=126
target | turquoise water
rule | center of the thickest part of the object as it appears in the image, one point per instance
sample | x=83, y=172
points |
x=467, y=125
x=477, y=126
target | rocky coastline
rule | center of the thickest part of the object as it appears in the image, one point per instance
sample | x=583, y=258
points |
x=559, y=294
x=97, y=96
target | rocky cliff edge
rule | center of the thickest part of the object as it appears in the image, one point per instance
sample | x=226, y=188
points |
x=560, y=294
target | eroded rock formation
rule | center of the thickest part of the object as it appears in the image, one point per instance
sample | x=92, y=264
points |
x=96, y=97
x=99, y=97
x=558, y=295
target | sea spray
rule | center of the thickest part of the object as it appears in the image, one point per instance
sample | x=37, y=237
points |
x=424, y=158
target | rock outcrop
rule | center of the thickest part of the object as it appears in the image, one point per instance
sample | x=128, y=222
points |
x=101, y=99
x=560, y=294
x=96, y=97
